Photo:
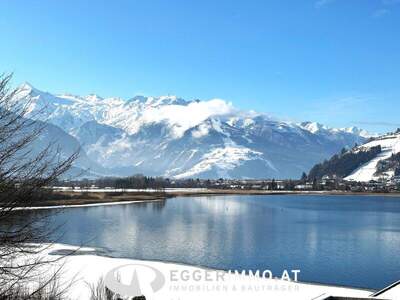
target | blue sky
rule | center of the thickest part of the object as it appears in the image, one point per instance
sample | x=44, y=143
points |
x=332, y=61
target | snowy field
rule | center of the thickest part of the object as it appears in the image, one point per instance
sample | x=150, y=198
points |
x=182, y=282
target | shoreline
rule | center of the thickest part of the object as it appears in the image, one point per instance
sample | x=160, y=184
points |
x=87, y=205
x=101, y=197
x=217, y=192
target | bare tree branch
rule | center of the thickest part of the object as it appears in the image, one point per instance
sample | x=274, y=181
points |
x=25, y=172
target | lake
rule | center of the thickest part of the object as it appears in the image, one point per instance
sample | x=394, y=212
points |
x=342, y=240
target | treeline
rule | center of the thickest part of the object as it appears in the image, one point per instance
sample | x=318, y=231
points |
x=136, y=182
x=343, y=164
x=148, y=182
x=132, y=182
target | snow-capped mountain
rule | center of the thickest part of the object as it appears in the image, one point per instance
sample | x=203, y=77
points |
x=383, y=165
x=173, y=137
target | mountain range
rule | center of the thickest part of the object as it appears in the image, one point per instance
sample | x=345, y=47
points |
x=172, y=137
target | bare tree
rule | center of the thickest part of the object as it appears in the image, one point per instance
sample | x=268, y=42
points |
x=25, y=172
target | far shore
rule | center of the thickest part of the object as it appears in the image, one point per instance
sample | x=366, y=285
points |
x=97, y=197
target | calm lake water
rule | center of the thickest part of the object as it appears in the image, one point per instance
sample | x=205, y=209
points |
x=345, y=240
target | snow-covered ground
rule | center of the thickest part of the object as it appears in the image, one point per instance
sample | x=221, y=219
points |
x=391, y=292
x=176, y=281
x=226, y=158
x=390, y=145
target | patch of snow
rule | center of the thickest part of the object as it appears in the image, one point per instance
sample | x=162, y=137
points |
x=248, y=122
x=225, y=158
x=313, y=127
x=93, y=98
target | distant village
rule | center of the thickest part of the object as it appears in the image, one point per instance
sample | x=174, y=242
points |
x=326, y=183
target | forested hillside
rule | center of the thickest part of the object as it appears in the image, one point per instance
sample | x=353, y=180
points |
x=345, y=163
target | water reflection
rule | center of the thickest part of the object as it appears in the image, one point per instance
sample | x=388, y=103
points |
x=338, y=240
x=227, y=206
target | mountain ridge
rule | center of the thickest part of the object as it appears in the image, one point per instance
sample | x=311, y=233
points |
x=169, y=136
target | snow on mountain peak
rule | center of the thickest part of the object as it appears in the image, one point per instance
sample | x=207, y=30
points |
x=313, y=127
x=157, y=101
x=138, y=98
x=26, y=89
x=94, y=98
x=26, y=86
x=165, y=100
x=358, y=131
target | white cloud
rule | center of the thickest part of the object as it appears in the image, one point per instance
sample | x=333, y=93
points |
x=181, y=117
x=201, y=131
